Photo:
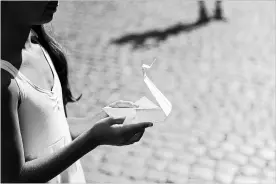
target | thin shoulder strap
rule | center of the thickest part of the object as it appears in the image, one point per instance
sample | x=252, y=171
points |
x=11, y=69
x=50, y=62
x=16, y=74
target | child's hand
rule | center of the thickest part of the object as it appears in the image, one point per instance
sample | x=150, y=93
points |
x=123, y=104
x=106, y=134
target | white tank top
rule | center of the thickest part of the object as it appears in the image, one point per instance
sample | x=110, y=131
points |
x=43, y=124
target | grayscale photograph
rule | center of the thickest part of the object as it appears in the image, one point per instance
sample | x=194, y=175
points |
x=138, y=91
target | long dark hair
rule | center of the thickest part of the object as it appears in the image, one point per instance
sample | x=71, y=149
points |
x=59, y=61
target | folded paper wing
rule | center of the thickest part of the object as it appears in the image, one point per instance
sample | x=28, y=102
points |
x=147, y=111
x=164, y=103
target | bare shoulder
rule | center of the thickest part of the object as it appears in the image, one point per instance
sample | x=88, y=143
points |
x=9, y=88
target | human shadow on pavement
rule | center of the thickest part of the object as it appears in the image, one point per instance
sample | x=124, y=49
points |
x=139, y=40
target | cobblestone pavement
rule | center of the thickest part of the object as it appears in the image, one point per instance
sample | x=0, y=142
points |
x=220, y=78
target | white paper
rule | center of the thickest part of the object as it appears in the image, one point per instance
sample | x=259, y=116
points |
x=164, y=103
x=147, y=111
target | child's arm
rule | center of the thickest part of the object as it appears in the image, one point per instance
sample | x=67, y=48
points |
x=14, y=167
x=79, y=125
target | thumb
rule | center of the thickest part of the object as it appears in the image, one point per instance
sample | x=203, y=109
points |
x=114, y=121
x=143, y=125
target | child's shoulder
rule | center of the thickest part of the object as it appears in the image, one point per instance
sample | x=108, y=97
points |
x=6, y=78
x=8, y=83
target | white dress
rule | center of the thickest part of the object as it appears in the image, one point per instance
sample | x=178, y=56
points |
x=43, y=124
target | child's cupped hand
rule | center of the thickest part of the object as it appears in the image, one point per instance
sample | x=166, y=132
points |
x=106, y=133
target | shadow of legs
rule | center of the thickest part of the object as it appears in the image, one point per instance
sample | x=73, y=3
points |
x=218, y=12
x=203, y=15
x=138, y=40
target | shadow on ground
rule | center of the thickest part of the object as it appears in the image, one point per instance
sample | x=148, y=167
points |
x=139, y=40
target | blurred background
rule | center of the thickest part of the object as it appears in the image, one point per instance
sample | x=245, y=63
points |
x=215, y=63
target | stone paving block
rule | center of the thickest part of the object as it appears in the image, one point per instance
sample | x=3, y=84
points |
x=202, y=84
x=250, y=170
x=269, y=173
x=235, y=139
x=225, y=126
x=144, y=152
x=237, y=158
x=175, y=178
x=223, y=177
x=246, y=180
x=141, y=182
x=156, y=164
x=247, y=150
x=271, y=143
x=217, y=136
x=156, y=176
x=202, y=172
x=272, y=164
x=134, y=173
x=166, y=136
x=267, y=181
x=124, y=151
x=197, y=150
x=137, y=162
x=198, y=180
x=216, y=154
x=153, y=143
x=98, y=177
x=178, y=168
x=199, y=133
x=113, y=158
x=228, y=147
x=185, y=157
x=146, y=143
x=110, y=169
x=115, y=180
x=257, y=161
x=163, y=154
x=212, y=144
x=257, y=143
x=192, y=140
x=206, y=162
x=174, y=146
x=227, y=167
x=267, y=154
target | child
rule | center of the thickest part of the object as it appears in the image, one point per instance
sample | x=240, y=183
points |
x=36, y=139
